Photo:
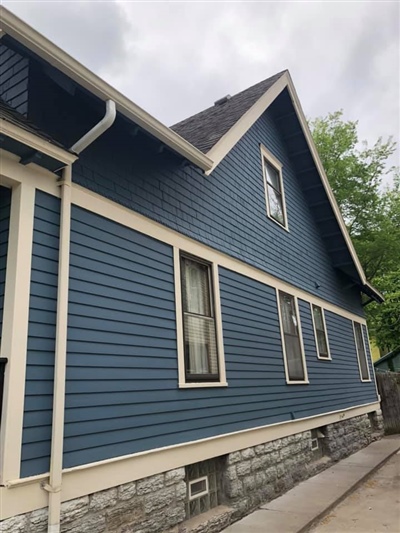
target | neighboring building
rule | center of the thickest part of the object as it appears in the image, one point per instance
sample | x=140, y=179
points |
x=182, y=324
x=389, y=362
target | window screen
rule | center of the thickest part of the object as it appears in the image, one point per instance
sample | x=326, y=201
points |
x=274, y=193
x=362, y=358
x=320, y=332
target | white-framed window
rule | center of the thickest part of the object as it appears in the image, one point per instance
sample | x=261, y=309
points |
x=320, y=332
x=198, y=488
x=274, y=192
x=199, y=322
x=292, y=340
x=361, y=352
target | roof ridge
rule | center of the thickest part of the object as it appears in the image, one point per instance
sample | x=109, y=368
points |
x=206, y=127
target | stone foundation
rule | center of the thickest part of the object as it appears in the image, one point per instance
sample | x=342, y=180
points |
x=250, y=477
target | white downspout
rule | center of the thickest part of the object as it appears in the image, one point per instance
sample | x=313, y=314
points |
x=97, y=130
x=57, y=440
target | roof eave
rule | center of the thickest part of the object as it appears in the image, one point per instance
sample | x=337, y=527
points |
x=36, y=143
x=33, y=40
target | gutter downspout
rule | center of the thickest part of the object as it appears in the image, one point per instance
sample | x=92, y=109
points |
x=60, y=364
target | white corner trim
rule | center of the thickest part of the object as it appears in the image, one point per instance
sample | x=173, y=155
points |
x=303, y=357
x=329, y=358
x=267, y=156
x=51, y=53
x=15, y=325
x=182, y=384
x=25, y=495
x=371, y=362
x=36, y=143
x=357, y=352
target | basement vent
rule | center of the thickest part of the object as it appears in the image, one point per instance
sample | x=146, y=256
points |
x=223, y=100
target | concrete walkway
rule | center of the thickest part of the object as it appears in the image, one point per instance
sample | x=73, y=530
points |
x=295, y=511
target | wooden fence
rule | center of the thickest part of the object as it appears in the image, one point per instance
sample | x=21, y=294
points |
x=389, y=390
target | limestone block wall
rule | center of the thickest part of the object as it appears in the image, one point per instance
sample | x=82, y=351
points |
x=249, y=477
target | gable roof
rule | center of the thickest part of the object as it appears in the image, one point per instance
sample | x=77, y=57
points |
x=206, y=128
x=237, y=115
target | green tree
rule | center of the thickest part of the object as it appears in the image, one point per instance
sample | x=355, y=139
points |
x=371, y=212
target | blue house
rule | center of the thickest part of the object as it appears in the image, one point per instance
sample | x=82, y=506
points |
x=182, y=325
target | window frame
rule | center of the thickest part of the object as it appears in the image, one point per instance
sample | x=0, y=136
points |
x=365, y=351
x=267, y=157
x=215, y=301
x=329, y=358
x=303, y=357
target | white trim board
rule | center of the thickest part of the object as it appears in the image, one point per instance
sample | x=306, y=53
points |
x=107, y=208
x=25, y=495
x=37, y=143
x=51, y=53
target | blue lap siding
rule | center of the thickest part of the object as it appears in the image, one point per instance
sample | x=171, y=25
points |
x=36, y=437
x=5, y=207
x=122, y=395
x=225, y=210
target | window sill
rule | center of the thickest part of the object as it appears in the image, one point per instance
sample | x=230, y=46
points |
x=202, y=385
x=324, y=358
x=278, y=223
x=297, y=382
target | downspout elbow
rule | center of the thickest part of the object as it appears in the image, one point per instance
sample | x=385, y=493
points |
x=97, y=130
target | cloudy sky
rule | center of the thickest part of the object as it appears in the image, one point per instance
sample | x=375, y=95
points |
x=176, y=58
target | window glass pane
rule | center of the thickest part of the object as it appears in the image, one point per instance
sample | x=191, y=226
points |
x=196, y=287
x=201, y=345
x=290, y=328
x=275, y=204
x=288, y=312
x=294, y=359
x=318, y=317
x=272, y=176
x=361, y=351
x=321, y=339
x=322, y=344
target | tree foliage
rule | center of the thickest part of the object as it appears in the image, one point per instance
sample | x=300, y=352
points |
x=371, y=212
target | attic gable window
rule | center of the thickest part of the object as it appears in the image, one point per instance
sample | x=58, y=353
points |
x=273, y=183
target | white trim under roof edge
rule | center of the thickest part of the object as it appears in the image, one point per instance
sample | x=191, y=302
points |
x=41, y=46
x=236, y=132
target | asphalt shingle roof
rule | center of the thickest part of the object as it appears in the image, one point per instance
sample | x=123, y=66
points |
x=206, y=128
x=14, y=117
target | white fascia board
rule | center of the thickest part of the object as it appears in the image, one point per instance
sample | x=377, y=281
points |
x=37, y=43
x=37, y=143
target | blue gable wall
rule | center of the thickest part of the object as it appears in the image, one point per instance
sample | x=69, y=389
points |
x=41, y=337
x=5, y=206
x=225, y=210
x=122, y=395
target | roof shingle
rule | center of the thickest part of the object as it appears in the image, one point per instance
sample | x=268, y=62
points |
x=206, y=128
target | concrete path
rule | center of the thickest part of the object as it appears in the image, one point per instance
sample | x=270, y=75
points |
x=295, y=511
x=372, y=508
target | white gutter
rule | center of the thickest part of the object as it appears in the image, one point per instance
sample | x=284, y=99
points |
x=37, y=43
x=60, y=364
